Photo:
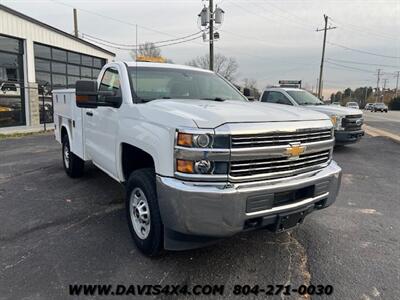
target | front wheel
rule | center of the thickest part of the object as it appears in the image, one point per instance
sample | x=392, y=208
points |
x=73, y=165
x=143, y=213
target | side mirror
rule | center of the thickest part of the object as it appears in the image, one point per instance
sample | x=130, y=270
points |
x=246, y=92
x=86, y=93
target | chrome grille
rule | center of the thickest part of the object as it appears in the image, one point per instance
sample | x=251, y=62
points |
x=349, y=122
x=271, y=168
x=280, y=138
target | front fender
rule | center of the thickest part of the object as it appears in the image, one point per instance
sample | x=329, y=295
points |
x=156, y=140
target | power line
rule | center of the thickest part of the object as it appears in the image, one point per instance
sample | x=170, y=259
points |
x=364, y=30
x=362, y=51
x=115, y=19
x=302, y=24
x=133, y=45
x=350, y=68
x=361, y=63
x=125, y=48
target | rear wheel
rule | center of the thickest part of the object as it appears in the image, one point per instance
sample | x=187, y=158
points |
x=143, y=213
x=73, y=165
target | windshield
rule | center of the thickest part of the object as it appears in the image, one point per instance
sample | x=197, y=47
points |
x=168, y=83
x=304, y=98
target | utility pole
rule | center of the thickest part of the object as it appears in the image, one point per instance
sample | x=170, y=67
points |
x=384, y=87
x=397, y=82
x=76, y=32
x=211, y=7
x=365, y=95
x=326, y=28
x=377, y=84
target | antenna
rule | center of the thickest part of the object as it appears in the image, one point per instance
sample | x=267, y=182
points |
x=136, y=58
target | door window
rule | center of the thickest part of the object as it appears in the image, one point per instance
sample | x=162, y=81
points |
x=275, y=97
x=110, y=82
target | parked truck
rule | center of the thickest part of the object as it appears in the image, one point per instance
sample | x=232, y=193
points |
x=347, y=121
x=198, y=160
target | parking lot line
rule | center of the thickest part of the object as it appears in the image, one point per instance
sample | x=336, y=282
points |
x=372, y=131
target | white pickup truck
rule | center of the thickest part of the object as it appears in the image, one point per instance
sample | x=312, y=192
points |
x=199, y=161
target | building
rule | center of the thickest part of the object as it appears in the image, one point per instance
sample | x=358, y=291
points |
x=36, y=58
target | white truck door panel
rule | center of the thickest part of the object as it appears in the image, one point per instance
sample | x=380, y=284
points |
x=101, y=132
x=102, y=126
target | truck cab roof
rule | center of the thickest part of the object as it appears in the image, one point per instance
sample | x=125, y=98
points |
x=163, y=65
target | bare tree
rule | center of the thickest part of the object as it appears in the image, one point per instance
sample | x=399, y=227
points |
x=147, y=49
x=251, y=84
x=223, y=65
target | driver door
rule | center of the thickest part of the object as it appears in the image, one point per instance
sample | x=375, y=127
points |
x=102, y=126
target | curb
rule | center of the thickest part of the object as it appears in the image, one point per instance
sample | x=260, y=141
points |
x=372, y=131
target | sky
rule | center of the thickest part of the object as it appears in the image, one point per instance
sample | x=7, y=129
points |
x=271, y=40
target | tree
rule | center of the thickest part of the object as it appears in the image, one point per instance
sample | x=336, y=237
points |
x=347, y=92
x=147, y=49
x=223, y=65
x=251, y=84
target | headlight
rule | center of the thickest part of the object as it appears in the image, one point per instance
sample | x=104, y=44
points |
x=202, y=140
x=334, y=120
x=201, y=167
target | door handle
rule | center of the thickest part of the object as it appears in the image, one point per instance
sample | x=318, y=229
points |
x=89, y=113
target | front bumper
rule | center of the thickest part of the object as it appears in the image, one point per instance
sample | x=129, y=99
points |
x=221, y=209
x=348, y=137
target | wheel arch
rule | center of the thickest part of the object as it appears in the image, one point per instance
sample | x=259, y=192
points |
x=132, y=158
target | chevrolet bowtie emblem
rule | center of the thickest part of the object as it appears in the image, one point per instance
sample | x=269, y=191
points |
x=295, y=150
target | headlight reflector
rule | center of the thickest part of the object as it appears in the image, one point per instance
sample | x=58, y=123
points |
x=202, y=140
x=203, y=167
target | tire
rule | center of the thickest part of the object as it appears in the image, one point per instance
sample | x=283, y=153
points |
x=73, y=165
x=143, y=213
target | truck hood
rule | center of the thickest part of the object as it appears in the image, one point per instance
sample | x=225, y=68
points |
x=211, y=114
x=334, y=110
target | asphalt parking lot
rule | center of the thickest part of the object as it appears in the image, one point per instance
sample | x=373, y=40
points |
x=389, y=121
x=56, y=231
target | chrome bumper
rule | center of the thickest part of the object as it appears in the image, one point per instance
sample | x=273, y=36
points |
x=219, y=209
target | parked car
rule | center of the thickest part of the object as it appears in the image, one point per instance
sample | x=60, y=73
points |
x=347, y=122
x=352, y=105
x=380, y=107
x=369, y=106
x=198, y=160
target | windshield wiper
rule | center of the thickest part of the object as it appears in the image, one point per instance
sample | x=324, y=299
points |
x=214, y=99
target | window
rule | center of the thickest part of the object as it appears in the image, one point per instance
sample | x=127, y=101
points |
x=87, y=60
x=96, y=73
x=8, y=44
x=59, y=81
x=86, y=72
x=98, y=62
x=60, y=55
x=74, y=58
x=72, y=80
x=73, y=70
x=159, y=83
x=42, y=65
x=12, y=110
x=57, y=67
x=42, y=51
x=275, y=97
x=110, y=81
